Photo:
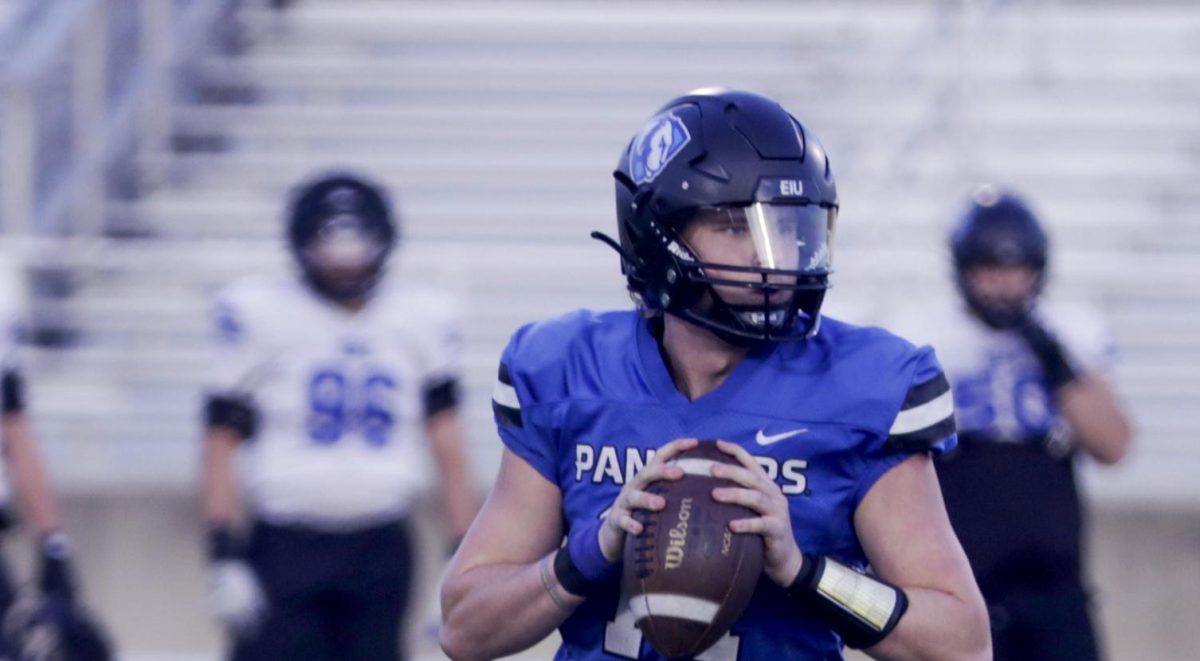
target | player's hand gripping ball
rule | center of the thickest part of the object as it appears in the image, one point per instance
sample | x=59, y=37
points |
x=689, y=576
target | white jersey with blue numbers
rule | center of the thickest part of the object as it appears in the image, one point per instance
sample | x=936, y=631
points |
x=1000, y=392
x=339, y=396
x=585, y=399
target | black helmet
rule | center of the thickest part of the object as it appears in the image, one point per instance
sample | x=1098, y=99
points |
x=338, y=220
x=997, y=229
x=741, y=158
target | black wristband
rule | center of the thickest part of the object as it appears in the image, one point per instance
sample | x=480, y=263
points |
x=222, y=544
x=56, y=577
x=840, y=606
x=1049, y=353
x=569, y=577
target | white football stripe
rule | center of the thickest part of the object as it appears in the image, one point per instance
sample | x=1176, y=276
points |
x=674, y=605
x=928, y=414
x=505, y=395
x=695, y=466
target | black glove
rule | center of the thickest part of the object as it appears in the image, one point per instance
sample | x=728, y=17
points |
x=56, y=578
x=1048, y=351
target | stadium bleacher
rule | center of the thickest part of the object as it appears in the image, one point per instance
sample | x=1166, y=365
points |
x=499, y=125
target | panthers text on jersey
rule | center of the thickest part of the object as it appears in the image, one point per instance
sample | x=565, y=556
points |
x=341, y=397
x=585, y=399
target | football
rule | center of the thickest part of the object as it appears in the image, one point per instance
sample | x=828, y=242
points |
x=688, y=575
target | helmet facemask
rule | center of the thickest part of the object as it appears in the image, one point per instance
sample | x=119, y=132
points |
x=753, y=272
x=341, y=231
x=344, y=259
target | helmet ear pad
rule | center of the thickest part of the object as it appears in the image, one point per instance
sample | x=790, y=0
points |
x=662, y=276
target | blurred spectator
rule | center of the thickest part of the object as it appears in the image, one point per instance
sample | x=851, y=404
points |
x=326, y=383
x=53, y=604
x=1029, y=393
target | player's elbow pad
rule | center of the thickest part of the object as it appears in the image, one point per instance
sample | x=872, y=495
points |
x=231, y=412
x=862, y=609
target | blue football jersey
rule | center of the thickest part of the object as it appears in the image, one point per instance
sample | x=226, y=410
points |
x=586, y=398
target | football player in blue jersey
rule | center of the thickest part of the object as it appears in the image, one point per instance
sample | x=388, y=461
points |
x=1031, y=393
x=726, y=206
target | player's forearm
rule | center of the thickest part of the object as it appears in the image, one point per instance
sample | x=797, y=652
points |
x=29, y=477
x=938, y=625
x=220, y=487
x=497, y=610
x=458, y=497
x=1096, y=419
x=460, y=506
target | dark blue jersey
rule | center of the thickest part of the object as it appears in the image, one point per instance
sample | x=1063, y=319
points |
x=586, y=398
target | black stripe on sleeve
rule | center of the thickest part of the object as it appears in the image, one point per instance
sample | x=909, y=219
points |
x=509, y=417
x=441, y=396
x=922, y=439
x=236, y=413
x=506, y=415
x=504, y=376
x=923, y=393
x=14, y=392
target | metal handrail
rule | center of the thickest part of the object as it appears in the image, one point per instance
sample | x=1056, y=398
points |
x=66, y=119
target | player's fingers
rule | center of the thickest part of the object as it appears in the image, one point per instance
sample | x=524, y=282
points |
x=629, y=524
x=653, y=473
x=756, y=479
x=755, y=526
x=768, y=527
x=660, y=467
x=644, y=500
x=670, y=450
x=738, y=452
x=752, y=498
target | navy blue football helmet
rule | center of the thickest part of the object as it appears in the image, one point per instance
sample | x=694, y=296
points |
x=741, y=161
x=341, y=231
x=998, y=229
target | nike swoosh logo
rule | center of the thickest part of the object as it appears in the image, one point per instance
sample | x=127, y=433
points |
x=764, y=439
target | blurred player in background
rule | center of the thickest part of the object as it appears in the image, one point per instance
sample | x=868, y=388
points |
x=1029, y=393
x=48, y=620
x=726, y=207
x=331, y=384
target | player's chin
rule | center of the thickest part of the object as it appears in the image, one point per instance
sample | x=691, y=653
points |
x=751, y=299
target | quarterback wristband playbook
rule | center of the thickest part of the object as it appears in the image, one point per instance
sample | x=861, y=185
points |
x=579, y=565
x=862, y=609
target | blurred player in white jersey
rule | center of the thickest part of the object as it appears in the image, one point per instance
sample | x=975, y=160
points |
x=36, y=620
x=1030, y=393
x=337, y=387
